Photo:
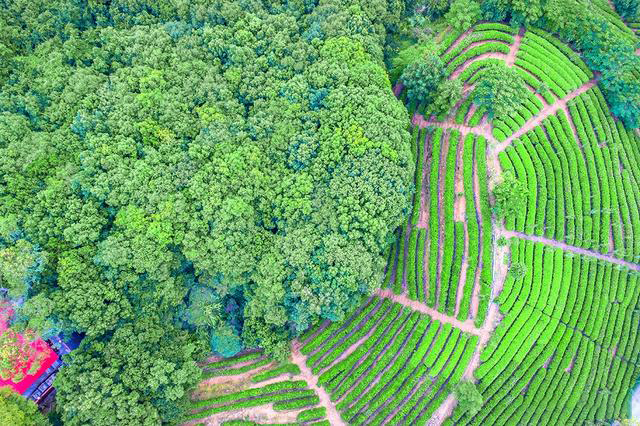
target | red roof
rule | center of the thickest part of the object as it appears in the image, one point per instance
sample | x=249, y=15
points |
x=42, y=350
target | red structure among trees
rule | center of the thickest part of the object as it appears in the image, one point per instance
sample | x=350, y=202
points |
x=23, y=358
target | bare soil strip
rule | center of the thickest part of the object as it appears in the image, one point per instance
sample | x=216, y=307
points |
x=397, y=89
x=445, y=410
x=483, y=129
x=573, y=249
x=475, y=295
x=405, y=257
x=426, y=151
x=466, y=326
x=546, y=112
x=511, y=57
x=441, y=182
x=305, y=372
x=459, y=214
x=260, y=414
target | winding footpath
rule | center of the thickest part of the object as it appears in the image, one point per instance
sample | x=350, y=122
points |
x=546, y=112
x=499, y=266
x=305, y=372
x=466, y=326
x=515, y=47
x=572, y=249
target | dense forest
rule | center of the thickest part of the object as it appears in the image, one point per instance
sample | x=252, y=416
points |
x=184, y=178
x=179, y=179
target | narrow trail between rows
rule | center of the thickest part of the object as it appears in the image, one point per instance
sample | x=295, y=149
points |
x=573, y=249
x=459, y=214
x=546, y=112
x=515, y=47
x=480, y=130
x=475, y=295
x=441, y=219
x=466, y=326
x=305, y=372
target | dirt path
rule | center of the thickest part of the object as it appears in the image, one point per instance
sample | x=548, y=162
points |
x=218, y=380
x=572, y=249
x=546, y=112
x=260, y=414
x=397, y=89
x=475, y=295
x=515, y=47
x=483, y=129
x=459, y=214
x=305, y=372
x=441, y=184
x=444, y=411
x=423, y=217
x=466, y=326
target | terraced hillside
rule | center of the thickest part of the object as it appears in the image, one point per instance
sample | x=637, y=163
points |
x=451, y=175
x=388, y=364
x=253, y=389
x=540, y=310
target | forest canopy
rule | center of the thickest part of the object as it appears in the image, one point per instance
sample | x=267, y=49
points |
x=181, y=178
x=214, y=176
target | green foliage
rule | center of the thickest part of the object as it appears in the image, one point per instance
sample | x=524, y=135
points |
x=463, y=14
x=238, y=180
x=518, y=270
x=17, y=410
x=16, y=352
x=233, y=360
x=605, y=45
x=232, y=371
x=312, y=414
x=149, y=361
x=510, y=196
x=628, y=9
x=499, y=90
x=408, y=55
x=434, y=8
x=295, y=404
x=469, y=399
x=20, y=264
x=288, y=368
x=284, y=395
x=423, y=76
x=448, y=94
